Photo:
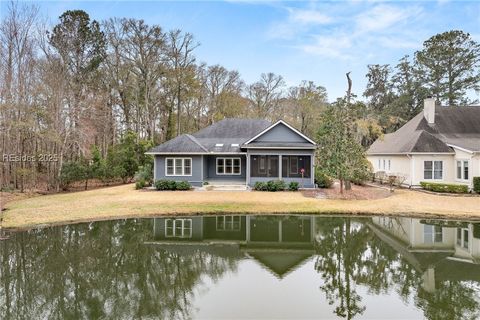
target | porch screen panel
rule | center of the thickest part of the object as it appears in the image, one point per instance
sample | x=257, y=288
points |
x=263, y=166
x=292, y=166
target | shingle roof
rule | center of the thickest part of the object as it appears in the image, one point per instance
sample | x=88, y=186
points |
x=233, y=128
x=183, y=143
x=230, y=133
x=458, y=126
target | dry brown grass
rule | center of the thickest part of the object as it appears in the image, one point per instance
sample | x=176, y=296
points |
x=123, y=201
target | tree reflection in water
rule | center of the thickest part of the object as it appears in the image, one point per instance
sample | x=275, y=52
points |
x=99, y=270
x=109, y=269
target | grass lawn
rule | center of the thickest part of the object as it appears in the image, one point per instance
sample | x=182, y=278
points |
x=123, y=201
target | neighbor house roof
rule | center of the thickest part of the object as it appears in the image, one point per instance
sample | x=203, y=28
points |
x=454, y=127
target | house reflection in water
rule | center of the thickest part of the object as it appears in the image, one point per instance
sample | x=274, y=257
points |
x=279, y=243
x=441, y=250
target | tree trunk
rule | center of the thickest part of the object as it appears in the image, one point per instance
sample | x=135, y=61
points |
x=348, y=185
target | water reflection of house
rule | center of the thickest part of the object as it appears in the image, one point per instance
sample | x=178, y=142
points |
x=279, y=243
x=442, y=250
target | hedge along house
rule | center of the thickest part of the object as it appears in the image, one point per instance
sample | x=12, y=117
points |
x=237, y=151
x=440, y=144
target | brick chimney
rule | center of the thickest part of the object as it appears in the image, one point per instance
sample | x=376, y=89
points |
x=429, y=109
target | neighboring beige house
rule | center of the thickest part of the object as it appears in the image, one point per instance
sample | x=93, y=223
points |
x=440, y=144
x=441, y=250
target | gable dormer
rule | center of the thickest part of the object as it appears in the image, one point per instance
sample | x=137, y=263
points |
x=280, y=133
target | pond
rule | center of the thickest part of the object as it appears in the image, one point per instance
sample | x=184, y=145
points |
x=218, y=267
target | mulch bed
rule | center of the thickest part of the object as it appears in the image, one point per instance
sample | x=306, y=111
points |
x=357, y=193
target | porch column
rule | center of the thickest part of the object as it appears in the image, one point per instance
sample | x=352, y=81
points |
x=247, y=173
x=279, y=167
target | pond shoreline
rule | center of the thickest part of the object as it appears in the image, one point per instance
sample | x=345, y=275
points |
x=210, y=214
x=123, y=202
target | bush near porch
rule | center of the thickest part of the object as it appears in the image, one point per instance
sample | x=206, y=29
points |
x=444, y=187
x=476, y=184
x=275, y=185
x=172, y=185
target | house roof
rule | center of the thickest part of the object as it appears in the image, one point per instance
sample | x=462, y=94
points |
x=240, y=129
x=453, y=127
x=183, y=143
x=226, y=136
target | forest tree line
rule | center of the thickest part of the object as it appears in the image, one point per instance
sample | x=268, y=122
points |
x=102, y=92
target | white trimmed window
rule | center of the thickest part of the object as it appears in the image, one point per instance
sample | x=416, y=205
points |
x=463, y=170
x=432, y=234
x=433, y=170
x=178, y=228
x=178, y=166
x=229, y=166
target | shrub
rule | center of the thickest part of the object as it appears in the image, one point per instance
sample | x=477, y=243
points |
x=476, y=184
x=272, y=185
x=380, y=176
x=293, y=186
x=444, y=187
x=322, y=179
x=276, y=185
x=165, y=185
x=182, y=185
x=260, y=186
x=71, y=172
x=144, y=173
x=140, y=184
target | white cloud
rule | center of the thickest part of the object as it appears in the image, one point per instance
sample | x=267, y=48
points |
x=345, y=32
x=334, y=46
x=298, y=21
x=395, y=42
x=306, y=16
x=382, y=17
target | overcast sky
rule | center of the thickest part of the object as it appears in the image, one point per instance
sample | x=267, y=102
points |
x=318, y=41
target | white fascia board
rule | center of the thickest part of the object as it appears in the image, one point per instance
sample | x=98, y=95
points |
x=407, y=153
x=460, y=148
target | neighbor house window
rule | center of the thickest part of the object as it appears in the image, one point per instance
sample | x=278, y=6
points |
x=228, y=223
x=462, y=170
x=432, y=234
x=292, y=166
x=230, y=166
x=178, y=166
x=433, y=170
x=263, y=166
x=178, y=228
x=465, y=170
x=462, y=237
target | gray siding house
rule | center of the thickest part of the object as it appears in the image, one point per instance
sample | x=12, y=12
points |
x=237, y=151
